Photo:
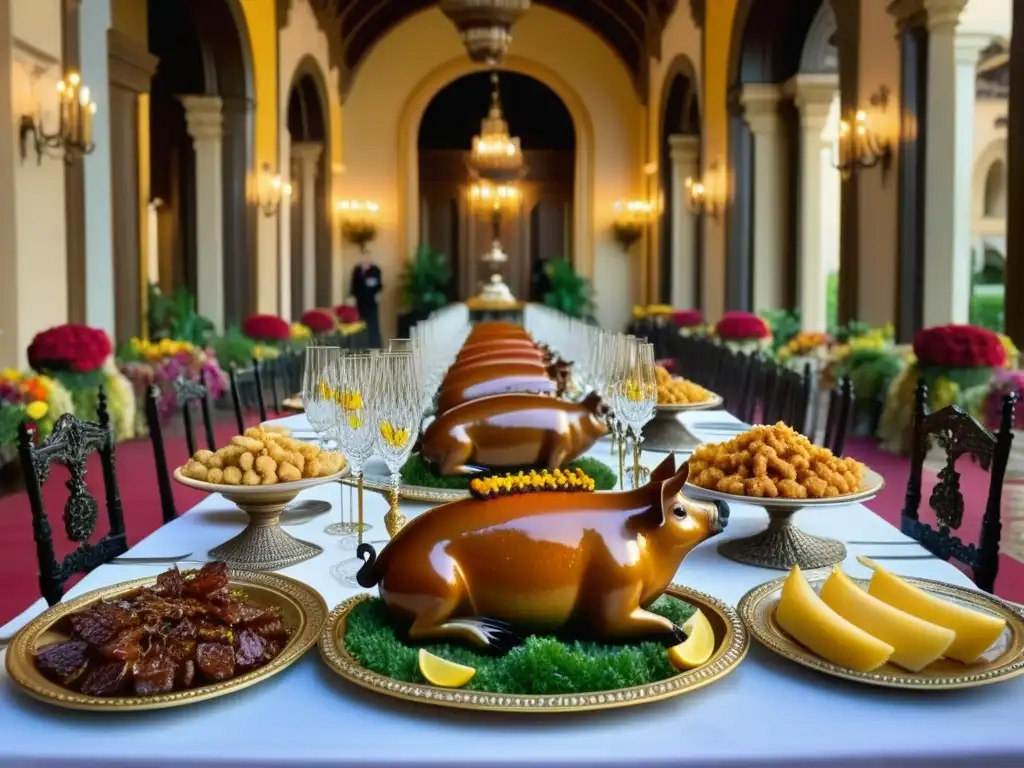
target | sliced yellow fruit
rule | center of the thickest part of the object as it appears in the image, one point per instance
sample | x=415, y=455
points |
x=975, y=631
x=813, y=624
x=698, y=646
x=442, y=672
x=916, y=643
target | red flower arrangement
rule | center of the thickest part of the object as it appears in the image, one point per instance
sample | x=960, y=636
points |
x=319, y=320
x=266, y=328
x=742, y=326
x=346, y=314
x=69, y=347
x=687, y=318
x=959, y=346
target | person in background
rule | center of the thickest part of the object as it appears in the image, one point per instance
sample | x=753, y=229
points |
x=365, y=290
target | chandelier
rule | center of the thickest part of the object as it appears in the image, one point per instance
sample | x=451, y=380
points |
x=496, y=155
x=485, y=26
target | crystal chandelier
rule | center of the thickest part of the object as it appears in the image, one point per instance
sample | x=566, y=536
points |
x=485, y=26
x=496, y=155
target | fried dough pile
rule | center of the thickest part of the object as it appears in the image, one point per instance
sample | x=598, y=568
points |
x=673, y=390
x=188, y=629
x=261, y=457
x=773, y=462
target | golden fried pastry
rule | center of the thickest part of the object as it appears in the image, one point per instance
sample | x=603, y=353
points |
x=769, y=462
x=673, y=390
x=262, y=457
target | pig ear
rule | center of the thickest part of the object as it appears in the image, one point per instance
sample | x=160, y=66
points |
x=671, y=487
x=665, y=470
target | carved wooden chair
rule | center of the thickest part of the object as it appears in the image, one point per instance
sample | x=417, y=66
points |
x=958, y=433
x=840, y=416
x=187, y=393
x=245, y=398
x=70, y=444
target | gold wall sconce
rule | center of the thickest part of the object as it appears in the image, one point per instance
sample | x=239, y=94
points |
x=74, y=134
x=273, y=189
x=358, y=221
x=860, y=145
x=697, y=196
x=631, y=220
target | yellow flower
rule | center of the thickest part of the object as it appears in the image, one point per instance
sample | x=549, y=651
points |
x=36, y=410
x=944, y=392
x=350, y=400
x=639, y=312
x=396, y=438
x=326, y=393
x=659, y=309
x=1012, y=353
x=354, y=421
x=10, y=374
x=634, y=390
x=300, y=331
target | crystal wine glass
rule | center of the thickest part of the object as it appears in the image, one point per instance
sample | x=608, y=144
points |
x=397, y=412
x=354, y=430
x=642, y=396
x=318, y=397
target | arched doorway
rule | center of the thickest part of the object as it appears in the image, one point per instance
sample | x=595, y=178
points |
x=542, y=229
x=766, y=141
x=307, y=120
x=679, y=159
x=201, y=151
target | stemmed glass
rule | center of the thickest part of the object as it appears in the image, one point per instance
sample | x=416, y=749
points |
x=636, y=394
x=397, y=413
x=354, y=431
x=318, y=397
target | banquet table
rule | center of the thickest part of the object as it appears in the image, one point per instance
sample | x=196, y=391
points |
x=768, y=712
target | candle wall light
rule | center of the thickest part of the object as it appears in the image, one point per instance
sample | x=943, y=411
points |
x=698, y=196
x=358, y=221
x=272, y=190
x=631, y=219
x=76, y=112
x=860, y=145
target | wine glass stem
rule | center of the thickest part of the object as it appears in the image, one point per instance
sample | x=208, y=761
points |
x=359, y=483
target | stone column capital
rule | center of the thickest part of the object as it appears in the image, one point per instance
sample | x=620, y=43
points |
x=813, y=96
x=684, y=148
x=944, y=15
x=204, y=116
x=307, y=151
x=969, y=46
x=760, y=102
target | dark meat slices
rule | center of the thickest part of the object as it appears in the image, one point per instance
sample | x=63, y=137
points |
x=216, y=661
x=251, y=651
x=154, y=673
x=101, y=623
x=127, y=646
x=170, y=583
x=212, y=578
x=108, y=679
x=63, y=662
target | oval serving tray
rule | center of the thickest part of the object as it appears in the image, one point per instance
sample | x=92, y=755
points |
x=731, y=639
x=1004, y=660
x=715, y=401
x=304, y=612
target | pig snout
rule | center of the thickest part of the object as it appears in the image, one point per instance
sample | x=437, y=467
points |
x=720, y=517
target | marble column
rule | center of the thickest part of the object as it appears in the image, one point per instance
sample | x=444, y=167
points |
x=946, y=268
x=307, y=157
x=204, y=116
x=813, y=96
x=761, y=111
x=684, y=152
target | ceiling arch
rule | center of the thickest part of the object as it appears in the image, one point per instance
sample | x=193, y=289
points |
x=631, y=27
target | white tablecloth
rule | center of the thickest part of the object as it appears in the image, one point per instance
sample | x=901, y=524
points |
x=769, y=712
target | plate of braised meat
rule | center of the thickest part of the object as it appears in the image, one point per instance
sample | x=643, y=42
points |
x=185, y=636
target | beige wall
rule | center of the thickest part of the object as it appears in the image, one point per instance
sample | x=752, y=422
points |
x=301, y=37
x=989, y=146
x=394, y=85
x=33, y=259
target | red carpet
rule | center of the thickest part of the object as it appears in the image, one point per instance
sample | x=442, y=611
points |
x=140, y=498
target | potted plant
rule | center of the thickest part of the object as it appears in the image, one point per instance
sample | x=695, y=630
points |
x=569, y=293
x=175, y=317
x=743, y=332
x=424, y=286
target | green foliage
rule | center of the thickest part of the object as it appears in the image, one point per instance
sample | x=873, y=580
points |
x=870, y=371
x=11, y=416
x=416, y=471
x=988, y=310
x=568, y=292
x=785, y=324
x=851, y=330
x=233, y=348
x=544, y=665
x=425, y=280
x=175, y=317
x=832, y=302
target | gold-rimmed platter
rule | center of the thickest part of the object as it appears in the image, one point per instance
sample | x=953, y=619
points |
x=731, y=644
x=1002, y=661
x=421, y=493
x=303, y=610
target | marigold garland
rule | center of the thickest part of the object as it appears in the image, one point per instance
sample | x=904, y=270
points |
x=531, y=482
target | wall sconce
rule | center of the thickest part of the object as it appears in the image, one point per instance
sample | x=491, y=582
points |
x=631, y=219
x=859, y=145
x=273, y=189
x=76, y=113
x=698, y=198
x=358, y=221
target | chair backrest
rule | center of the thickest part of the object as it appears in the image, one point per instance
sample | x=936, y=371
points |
x=958, y=433
x=840, y=416
x=70, y=444
x=187, y=394
x=247, y=393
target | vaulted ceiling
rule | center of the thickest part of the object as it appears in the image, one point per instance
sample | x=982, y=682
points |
x=632, y=28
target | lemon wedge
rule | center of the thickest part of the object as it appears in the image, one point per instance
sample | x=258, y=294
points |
x=698, y=646
x=442, y=672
